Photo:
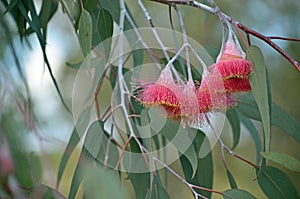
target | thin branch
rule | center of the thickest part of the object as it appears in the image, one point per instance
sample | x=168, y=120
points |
x=244, y=28
x=284, y=38
x=269, y=42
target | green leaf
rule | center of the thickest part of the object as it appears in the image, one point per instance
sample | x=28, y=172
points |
x=113, y=75
x=74, y=140
x=254, y=134
x=105, y=26
x=182, y=139
x=204, y=172
x=47, y=11
x=102, y=183
x=89, y=5
x=91, y=146
x=283, y=159
x=284, y=121
x=84, y=159
x=157, y=192
x=279, y=117
x=233, y=117
x=75, y=65
x=85, y=32
x=276, y=184
x=35, y=25
x=42, y=191
x=259, y=87
x=72, y=8
x=138, y=57
x=231, y=179
x=23, y=162
x=113, y=7
x=237, y=194
x=140, y=183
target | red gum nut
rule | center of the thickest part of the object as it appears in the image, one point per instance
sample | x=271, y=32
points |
x=234, y=68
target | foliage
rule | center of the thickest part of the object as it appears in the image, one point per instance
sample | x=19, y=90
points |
x=130, y=142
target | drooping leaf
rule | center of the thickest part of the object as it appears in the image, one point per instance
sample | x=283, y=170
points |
x=234, y=120
x=275, y=183
x=140, y=181
x=101, y=182
x=47, y=11
x=72, y=8
x=279, y=117
x=84, y=159
x=42, y=191
x=113, y=75
x=24, y=172
x=138, y=57
x=74, y=140
x=237, y=194
x=254, y=134
x=260, y=91
x=35, y=26
x=182, y=139
x=89, y=151
x=157, y=192
x=75, y=65
x=89, y=5
x=105, y=26
x=231, y=179
x=283, y=159
x=85, y=32
x=204, y=172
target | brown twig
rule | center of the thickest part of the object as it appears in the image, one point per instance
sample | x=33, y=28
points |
x=244, y=28
x=284, y=38
x=269, y=41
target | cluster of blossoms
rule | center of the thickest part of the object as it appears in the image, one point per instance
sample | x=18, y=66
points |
x=184, y=101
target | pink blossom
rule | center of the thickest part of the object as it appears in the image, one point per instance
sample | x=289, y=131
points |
x=234, y=68
x=231, y=62
x=234, y=85
x=212, y=95
x=163, y=92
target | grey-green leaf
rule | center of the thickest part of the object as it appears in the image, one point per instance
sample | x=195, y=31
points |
x=43, y=191
x=105, y=26
x=237, y=194
x=102, y=183
x=204, y=172
x=88, y=155
x=283, y=159
x=74, y=65
x=157, y=192
x=85, y=32
x=231, y=179
x=182, y=139
x=279, y=117
x=233, y=117
x=254, y=134
x=74, y=139
x=275, y=183
x=258, y=84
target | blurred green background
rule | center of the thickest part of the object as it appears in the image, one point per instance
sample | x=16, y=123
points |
x=52, y=125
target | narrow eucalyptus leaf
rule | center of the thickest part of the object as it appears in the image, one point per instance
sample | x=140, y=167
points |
x=260, y=91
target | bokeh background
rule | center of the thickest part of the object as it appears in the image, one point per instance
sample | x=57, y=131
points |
x=54, y=125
